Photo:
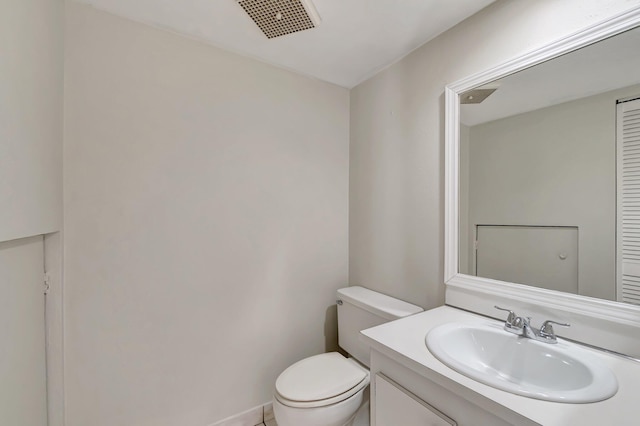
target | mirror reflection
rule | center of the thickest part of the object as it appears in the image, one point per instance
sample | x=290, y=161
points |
x=550, y=174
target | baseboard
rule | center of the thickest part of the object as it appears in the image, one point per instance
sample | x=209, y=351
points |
x=262, y=414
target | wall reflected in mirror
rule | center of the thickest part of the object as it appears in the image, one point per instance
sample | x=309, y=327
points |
x=550, y=174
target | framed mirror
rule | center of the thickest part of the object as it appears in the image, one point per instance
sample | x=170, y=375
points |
x=543, y=185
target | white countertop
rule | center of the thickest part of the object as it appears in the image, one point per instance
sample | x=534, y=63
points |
x=404, y=341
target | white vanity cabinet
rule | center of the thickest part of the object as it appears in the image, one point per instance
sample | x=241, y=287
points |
x=422, y=383
x=399, y=396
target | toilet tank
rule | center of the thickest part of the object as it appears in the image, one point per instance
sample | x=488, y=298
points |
x=360, y=308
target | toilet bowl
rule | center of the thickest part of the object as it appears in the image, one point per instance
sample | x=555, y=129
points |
x=330, y=389
x=322, y=390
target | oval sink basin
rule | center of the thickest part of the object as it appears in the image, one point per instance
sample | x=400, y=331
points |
x=561, y=372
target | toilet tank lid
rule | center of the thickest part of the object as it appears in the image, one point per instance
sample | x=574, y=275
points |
x=377, y=303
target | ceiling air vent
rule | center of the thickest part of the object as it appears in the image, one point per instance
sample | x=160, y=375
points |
x=476, y=96
x=279, y=17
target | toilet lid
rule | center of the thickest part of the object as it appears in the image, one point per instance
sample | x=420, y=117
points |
x=319, y=377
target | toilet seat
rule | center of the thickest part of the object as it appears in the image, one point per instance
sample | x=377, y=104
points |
x=320, y=380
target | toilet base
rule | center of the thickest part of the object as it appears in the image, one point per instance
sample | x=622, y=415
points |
x=361, y=418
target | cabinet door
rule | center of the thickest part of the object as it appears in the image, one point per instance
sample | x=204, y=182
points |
x=23, y=384
x=395, y=406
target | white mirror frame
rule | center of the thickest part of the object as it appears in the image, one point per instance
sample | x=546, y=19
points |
x=606, y=324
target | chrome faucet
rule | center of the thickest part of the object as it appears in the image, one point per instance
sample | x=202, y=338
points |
x=522, y=327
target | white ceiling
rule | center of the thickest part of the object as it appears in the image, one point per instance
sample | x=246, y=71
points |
x=611, y=64
x=355, y=39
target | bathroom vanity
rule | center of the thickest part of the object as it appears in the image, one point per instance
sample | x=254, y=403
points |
x=409, y=384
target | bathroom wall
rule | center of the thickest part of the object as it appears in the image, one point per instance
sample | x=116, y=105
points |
x=31, y=79
x=560, y=169
x=396, y=210
x=206, y=224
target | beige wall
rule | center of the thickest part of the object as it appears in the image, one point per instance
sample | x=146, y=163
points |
x=31, y=68
x=555, y=166
x=397, y=140
x=206, y=201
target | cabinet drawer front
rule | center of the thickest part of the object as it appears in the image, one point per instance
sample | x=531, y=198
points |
x=395, y=405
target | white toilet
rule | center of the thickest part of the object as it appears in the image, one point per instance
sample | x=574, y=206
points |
x=329, y=389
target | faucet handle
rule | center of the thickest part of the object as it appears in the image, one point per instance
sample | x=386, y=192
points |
x=546, y=331
x=511, y=316
x=513, y=321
